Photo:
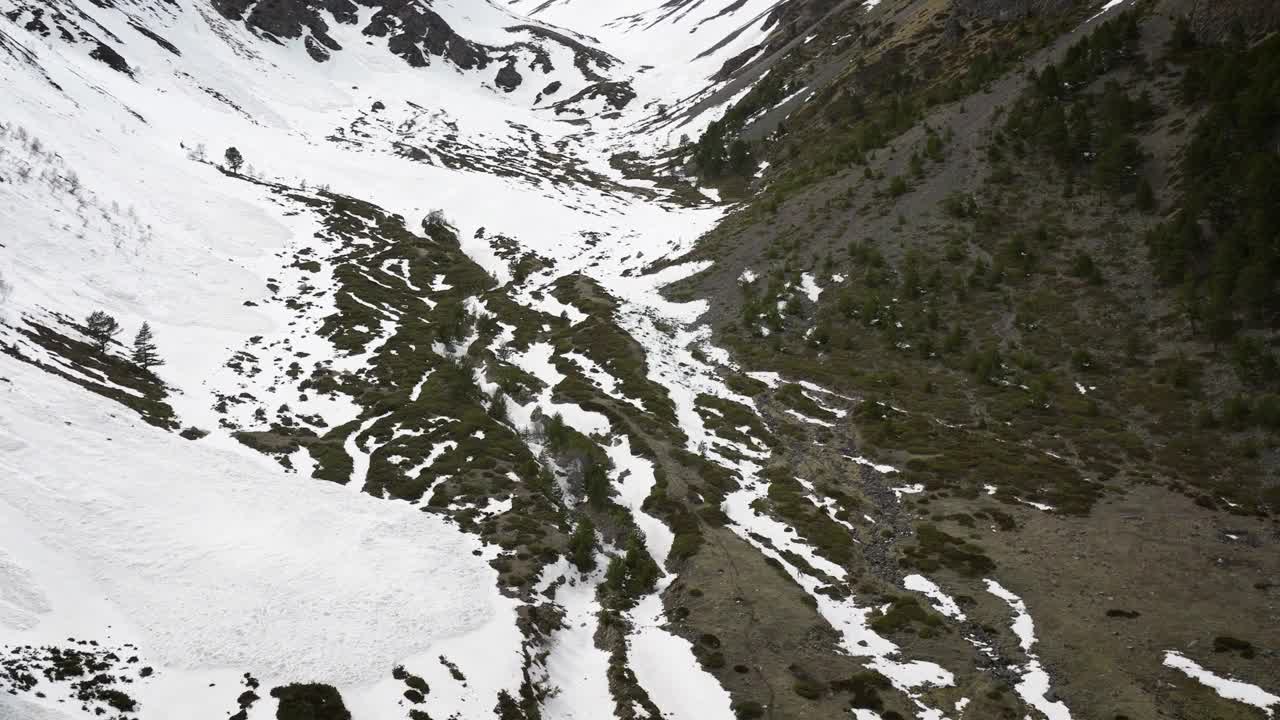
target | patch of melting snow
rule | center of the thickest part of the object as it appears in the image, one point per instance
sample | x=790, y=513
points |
x=577, y=667
x=809, y=286
x=1110, y=4
x=810, y=420
x=436, y=452
x=359, y=455
x=838, y=412
x=748, y=276
x=1034, y=685
x=828, y=505
x=1228, y=688
x=814, y=387
x=550, y=305
x=663, y=662
x=942, y=602
x=772, y=379
x=886, y=469
x=536, y=360
x=607, y=383
x=399, y=267
x=417, y=389
x=913, y=489
x=634, y=480
x=658, y=658
x=666, y=667
x=982, y=647
x=850, y=620
x=496, y=507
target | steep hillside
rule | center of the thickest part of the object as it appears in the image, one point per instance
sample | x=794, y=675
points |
x=685, y=360
x=1036, y=245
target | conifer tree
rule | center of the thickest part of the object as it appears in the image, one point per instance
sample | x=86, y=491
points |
x=144, y=349
x=234, y=159
x=101, y=327
x=582, y=546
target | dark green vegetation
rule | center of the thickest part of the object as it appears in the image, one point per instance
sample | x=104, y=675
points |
x=882, y=89
x=1089, y=133
x=91, y=367
x=310, y=701
x=436, y=394
x=1228, y=644
x=96, y=678
x=1045, y=249
x=1006, y=332
x=1218, y=245
x=790, y=501
x=101, y=328
x=935, y=549
x=906, y=614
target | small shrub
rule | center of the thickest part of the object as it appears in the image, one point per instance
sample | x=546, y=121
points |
x=1126, y=614
x=809, y=688
x=309, y=701
x=1226, y=643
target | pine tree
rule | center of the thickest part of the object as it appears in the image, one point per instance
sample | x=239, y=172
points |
x=101, y=327
x=582, y=546
x=144, y=349
x=234, y=159
x=595, y=483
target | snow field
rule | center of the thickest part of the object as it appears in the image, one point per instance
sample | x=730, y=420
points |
x=214, y=561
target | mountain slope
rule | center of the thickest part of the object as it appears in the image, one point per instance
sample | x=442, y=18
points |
x=972, y=242
x=478, y=402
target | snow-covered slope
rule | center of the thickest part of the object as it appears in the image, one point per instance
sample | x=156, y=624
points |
x=199, y=559
x=430, y=441
x=207, y=562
